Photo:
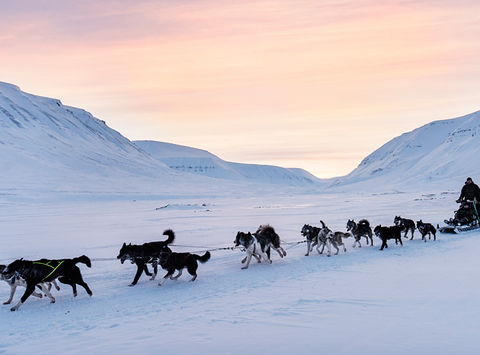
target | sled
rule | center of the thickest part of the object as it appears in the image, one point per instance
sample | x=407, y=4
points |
x=452, y=228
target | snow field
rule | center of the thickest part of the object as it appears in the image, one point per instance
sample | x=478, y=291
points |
x=419, y=298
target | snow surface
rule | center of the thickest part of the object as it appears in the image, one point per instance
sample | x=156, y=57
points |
x=421, y=298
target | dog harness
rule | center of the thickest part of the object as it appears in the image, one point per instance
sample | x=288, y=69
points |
x=50, y=266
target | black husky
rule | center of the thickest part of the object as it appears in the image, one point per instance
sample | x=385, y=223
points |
x=362, y=229
x=144, y=254
x=45, y=270
x=172, y=261
x=426, y=228
x=407, y=223
x=385, y=233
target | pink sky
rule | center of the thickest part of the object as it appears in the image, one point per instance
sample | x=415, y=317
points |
x=298, y=83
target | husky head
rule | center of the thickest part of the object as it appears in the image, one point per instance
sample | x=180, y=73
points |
x=125, y=252
x=350, y=224
x=243, y=239
x=18, y=266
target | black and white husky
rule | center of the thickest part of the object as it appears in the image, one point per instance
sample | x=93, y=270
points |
x=268, y=238
x=16, y=281
x=328, y=238
x=311, y=233
x=359, y=230
x=253, y=248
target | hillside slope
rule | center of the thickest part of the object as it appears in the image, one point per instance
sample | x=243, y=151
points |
x=201, y=162
x=442, y=153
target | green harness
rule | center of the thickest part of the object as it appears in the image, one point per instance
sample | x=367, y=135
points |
x=50, y=266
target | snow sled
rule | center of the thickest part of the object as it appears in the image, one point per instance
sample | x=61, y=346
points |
x=465, y=219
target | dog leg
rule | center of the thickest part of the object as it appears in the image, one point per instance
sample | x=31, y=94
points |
x=318, y=248
x=344, y=248
x=384, y=244
x=137, y=275
x=309, y=244
x=177, y=276
x=145, y=268
x=334, y=244
x=12, y=292
x=46, y=291
x=366, y=238
x=258, y=257
x=155, y=270
x=38, y=295
x=54, y=282
x=249, y=257
x=167, y=276
x=28, y=292
x=266, y=258
x=280, y=251
x=244, y=259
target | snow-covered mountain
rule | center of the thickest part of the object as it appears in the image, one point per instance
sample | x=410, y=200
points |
x=198, y=161
x=442, y=153
x=47, y=147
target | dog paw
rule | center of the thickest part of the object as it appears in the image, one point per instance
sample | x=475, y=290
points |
x=245, y=267
x=74, y=294
x=52, y=301
x=131, y=285
x=13, y=309
x=6, y=302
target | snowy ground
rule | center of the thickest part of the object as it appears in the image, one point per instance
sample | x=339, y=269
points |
x=421, y=298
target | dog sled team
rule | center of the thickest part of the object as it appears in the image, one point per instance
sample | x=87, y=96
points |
x=42, y=274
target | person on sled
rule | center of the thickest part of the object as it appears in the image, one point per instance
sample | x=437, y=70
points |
x=469, y=196
x=470, y=192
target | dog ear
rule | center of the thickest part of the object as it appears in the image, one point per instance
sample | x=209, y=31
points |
x=124, y=245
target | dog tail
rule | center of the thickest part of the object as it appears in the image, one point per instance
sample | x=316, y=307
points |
x=171, y=236
x=204, y=258
x=83, y=259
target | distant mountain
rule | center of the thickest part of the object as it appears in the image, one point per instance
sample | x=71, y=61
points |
x=201, y=162
x=442, y=152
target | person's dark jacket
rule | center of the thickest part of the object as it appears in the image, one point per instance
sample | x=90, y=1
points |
x=469, y=192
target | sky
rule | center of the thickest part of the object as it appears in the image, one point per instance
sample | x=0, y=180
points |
x=313, y=84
